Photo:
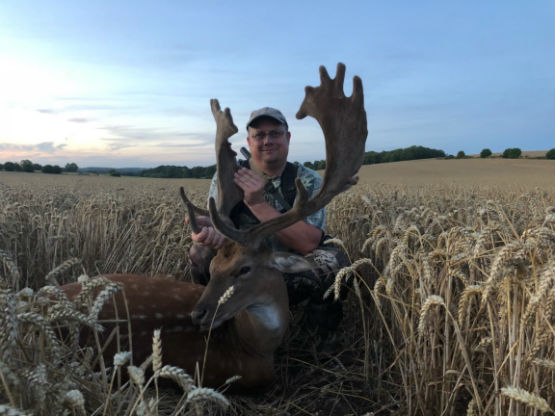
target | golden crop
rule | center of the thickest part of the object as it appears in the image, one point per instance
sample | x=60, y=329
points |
x=451, y=307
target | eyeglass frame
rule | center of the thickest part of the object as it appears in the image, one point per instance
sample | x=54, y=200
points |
x=272, y=135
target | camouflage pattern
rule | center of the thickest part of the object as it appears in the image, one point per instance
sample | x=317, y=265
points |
x=327, y=260
x=310, y=179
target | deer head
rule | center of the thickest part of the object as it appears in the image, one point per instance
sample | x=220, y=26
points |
x=244, y=263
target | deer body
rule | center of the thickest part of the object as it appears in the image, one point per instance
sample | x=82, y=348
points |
x=245, y=303
x=241, y=345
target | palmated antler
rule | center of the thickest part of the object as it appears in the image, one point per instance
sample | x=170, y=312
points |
x=229, y=194
x=343, y=121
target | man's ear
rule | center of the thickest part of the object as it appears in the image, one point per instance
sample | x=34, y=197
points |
x=288, y=262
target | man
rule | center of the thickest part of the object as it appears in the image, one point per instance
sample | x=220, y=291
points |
x=267, y=181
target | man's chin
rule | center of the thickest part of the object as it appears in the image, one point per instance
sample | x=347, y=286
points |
x=271, y=158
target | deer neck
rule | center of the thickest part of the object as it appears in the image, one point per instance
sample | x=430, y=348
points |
x=262, y=325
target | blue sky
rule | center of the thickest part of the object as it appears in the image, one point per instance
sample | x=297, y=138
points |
x=128, y=83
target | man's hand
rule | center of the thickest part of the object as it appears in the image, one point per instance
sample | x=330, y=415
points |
x=252, y=185
x=208, y=236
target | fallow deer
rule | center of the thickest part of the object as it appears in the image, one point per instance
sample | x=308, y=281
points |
x=245, y=302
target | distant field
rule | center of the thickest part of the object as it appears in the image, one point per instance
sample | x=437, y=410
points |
x=472, y=172
x=479, y=172
x=85, y=184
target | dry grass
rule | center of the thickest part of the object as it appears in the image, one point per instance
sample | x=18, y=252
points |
x=451, y=308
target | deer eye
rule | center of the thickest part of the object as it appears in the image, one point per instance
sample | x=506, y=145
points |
x=244, y=270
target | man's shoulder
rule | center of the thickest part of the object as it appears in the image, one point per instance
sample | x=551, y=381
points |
x=303, y=171
x=309, y=178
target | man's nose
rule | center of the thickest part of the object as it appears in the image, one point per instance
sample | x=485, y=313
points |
x=268, y=139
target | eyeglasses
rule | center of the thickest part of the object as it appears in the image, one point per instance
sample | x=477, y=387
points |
x=272, y=134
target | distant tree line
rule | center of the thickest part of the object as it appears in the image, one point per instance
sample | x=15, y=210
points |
x=168, y=171
x=28, y=166
x=386, y=156
x=509, y=153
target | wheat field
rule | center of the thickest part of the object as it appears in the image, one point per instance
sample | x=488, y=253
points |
x=451, y=305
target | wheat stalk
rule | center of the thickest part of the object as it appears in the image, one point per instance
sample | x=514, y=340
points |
x=530, y=399
x=61, y=269
x=75, y=400
x=226, y=295
x=109, y=290
x=541, y=297
x=424, y=311
x=207, y=394
x=156, y=351
x=465, y=297
x=120, y=358
x=184, y=380
x=137, y=375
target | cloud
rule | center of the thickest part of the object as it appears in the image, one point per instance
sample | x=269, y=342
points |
x=78, y=120
x=50, y=147
x=46, y=147
x=46, y=111
x=127, y=136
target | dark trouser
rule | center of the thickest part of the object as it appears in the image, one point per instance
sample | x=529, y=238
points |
x=328, y=259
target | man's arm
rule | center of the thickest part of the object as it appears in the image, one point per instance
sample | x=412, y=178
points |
x=301, y=236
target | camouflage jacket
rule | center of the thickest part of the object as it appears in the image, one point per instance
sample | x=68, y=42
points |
x=311, y=180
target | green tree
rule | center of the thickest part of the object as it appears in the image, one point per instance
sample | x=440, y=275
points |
x=113, y=172
x=26, y=165
x=71, y=167
x=51, y=169
x=461, y=154
x=36, y=166
x=512, y=153
x=12, y=167
x=550, y=154
x=1, y=166
x=485, y=153
x=408, y=153
x=319, y=164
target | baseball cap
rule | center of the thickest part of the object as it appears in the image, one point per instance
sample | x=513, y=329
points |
x=267, y=112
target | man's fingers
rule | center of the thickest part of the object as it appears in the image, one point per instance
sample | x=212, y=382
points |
x=208, y=236
x=199, y=237
x=204, y=221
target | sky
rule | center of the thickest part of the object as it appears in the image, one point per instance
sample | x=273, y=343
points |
x=128, y=83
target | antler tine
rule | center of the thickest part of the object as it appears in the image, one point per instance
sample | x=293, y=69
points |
x=224, y=224
x=191, y=210
x=343, y=122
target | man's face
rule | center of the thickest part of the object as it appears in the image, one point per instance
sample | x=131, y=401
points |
x=268, y=142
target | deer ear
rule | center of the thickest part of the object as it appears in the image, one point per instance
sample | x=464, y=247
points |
x=288, y=262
